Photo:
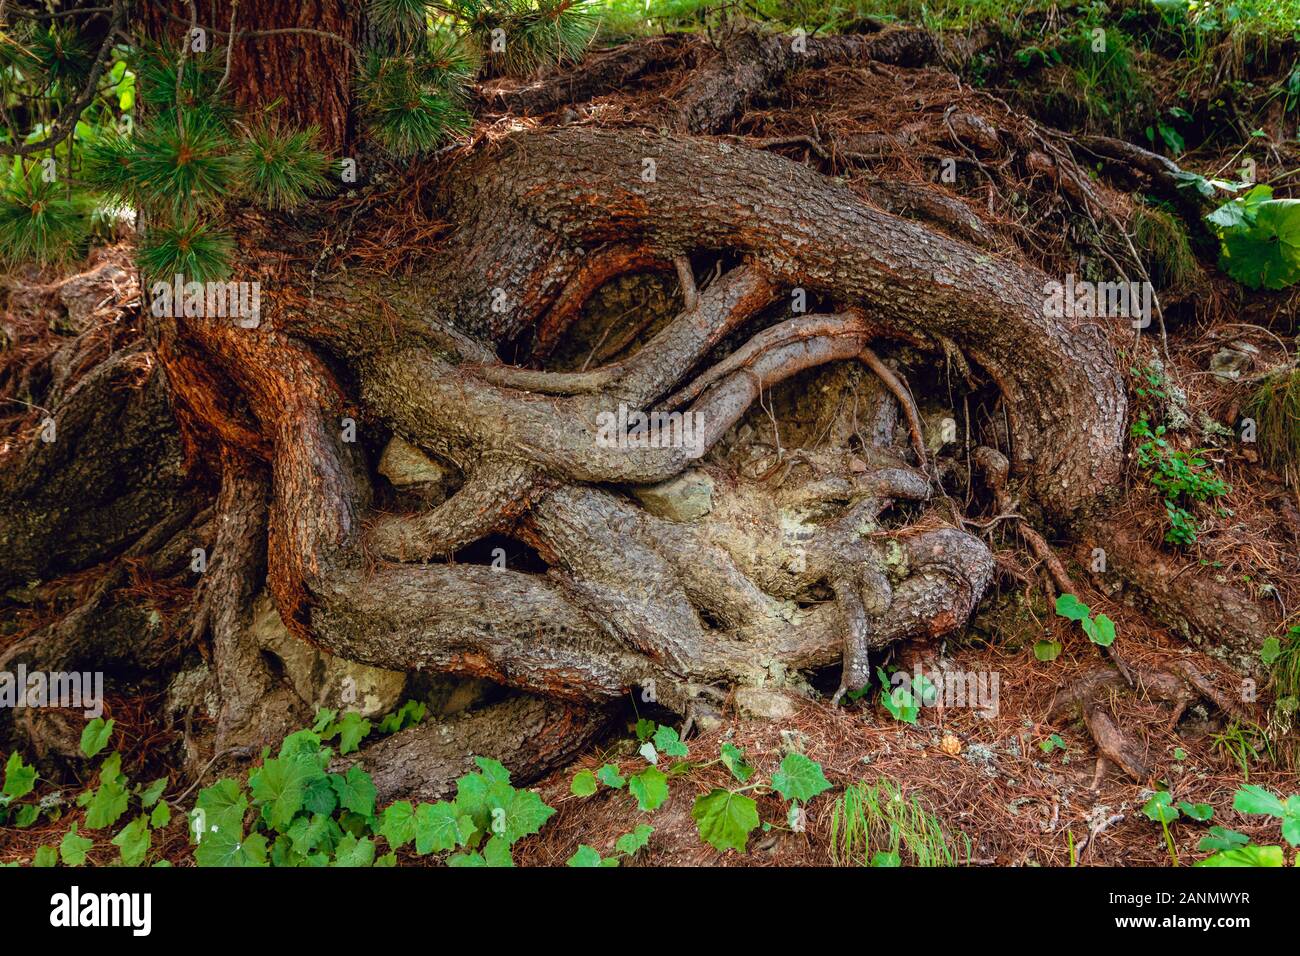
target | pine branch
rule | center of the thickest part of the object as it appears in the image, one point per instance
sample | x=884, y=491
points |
x=68, y=116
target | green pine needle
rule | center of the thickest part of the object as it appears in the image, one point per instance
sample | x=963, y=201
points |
x=189, y=247
x=399, y=16
x=409, y=109
x=156, y=83
x=556, y=31
x=108, y=165
x=64, y=56
x=38, y=221
x=183, y=169
x=281, y=170
x=537, y=33
x=450, y=64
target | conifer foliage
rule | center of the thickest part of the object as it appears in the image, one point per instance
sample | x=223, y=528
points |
x=158, y=136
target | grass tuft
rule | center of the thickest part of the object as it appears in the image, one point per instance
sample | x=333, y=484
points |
x=1275, y=406
x=875, y=825
x=1165, y=249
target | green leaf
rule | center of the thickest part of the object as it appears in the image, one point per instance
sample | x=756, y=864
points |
x=355, y=852
x=353, y=729
x=27, y=815
x=324, y=719
x=478, y=797
x=496, y=852
x=799, y=778
x=1254, y=799
x=898, y=701
x=316, y=832
x=1264, y=253
x=1071, y=608
x=20, y=779
x=278, y=786
x=133, y=841
x=630, y=843
x=1197, y=811
x=466, y=859
x=1047, y=650
x=108, y=803
x=525, y=814
x=645, y=729
x=1221, y=838
x=1291, y=822
x=46, y=856
x=356, y=791
x=73, y=848
x=230, y=848
x=493, y=771
x=725, y=819
x=610, y=777
x=584, y=857
x=650, y=787
x=161, y=815
x=1160, y=808
x=1249, y=855
x=223, y=806
x=1100, y=630
x=397, y=824
x=440, y=826
x=668, y=742
x=318, y=795
x=1053, y=742
x=734, y=760
x=152, y=792
x=1271, y=650
x=305, y=744
x=886, y=860
x=94, y=737
x=583, y=784
x=408, y=715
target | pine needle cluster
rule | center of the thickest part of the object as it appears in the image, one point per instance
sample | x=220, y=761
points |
x=192, y=152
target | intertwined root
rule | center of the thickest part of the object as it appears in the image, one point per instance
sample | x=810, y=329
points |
x=799, y=567
x=770, y=576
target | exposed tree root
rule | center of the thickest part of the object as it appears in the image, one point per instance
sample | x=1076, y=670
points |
x=529, y=735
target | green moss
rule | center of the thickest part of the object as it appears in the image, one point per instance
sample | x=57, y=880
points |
x=1166, y=251
x=1275, y=407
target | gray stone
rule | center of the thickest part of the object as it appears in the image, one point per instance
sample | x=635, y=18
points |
x=764, y=703
x=1230, y=362
x=686, y=497
x=405, y=465
x=321, y=679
